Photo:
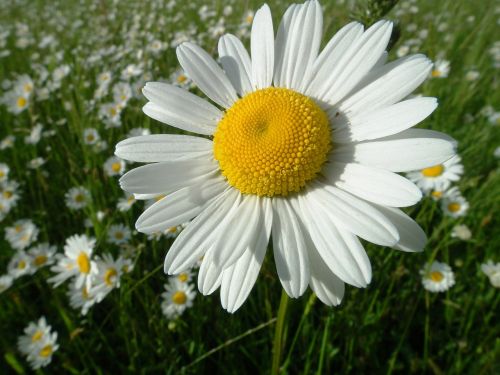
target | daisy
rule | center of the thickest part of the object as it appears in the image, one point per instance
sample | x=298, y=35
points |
x=4, y=172
x=22, y=234
x=492, y=270
x=438, y=277
x=5, y=282
x=178, y=296
x=441, y=69
x=118, y=234
x=179, y=78
x=114, y=166
x=438, y=177
x=454, y=204
x=42, y=255
x=125, y=203
x=90, y=136
x=76, y=262
x=461, y=232
x=20, y=264
x=16, y=100
x=303, y=144
x=34, y=334
x=81, y=298
x=184, y=277
x=107, y=278
x=41, y=356
x=77, y=198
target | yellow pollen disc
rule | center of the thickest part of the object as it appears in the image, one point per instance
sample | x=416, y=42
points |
x=2, y=174
x=454, y=207
x=110, y=276
x=46, y=351
x=181, y=78
x=36, y=336
x=179, y=298
x=437, y=194
x=271, y=142
x=7, y=194
x=436, y=276
x=40, y=260
x=21, y=102
x=18, y=228
x=79, y=198
x=112, y=111
x=21, y=265
x=183, y=277
x=172, y=229
x=249, y=19
x=116, y=167
x=119, y=235
x=90, y=138
x=83, y=263
x=435, y=171
x=436, y=73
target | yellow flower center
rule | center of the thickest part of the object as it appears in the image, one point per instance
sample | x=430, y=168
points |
x=36, y=336
x=172, y=229
x=119, y=235
x=249, y=19
x=437, y=194
x=116, y=167
x=21, y=265
x=436, y=276
x=21, y=102
x=18, y=228
x=79, y=198
x=46, y=351
x=7, y=194
x=435, y=171
x=112, y=111
x=40, y=260
x=27, y=87
x=90, y=138
x=181, y=78
x=2, y=174
x=436, y=73
x=454, y=207
x=271, y=142
x=110, y=276
x=83, y=262
x=183, y=277
x=179, y=298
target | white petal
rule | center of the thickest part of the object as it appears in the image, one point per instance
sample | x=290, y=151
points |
x=354, y=214
x=180, y=206
x=328, y=287
x=301, y=39
x=388, y=84
x=372, y=184
x=409, y=150
x=262, y=48
x=239, y=279
x=209, y=275
x=340, y=250
x=163, y=147
x=191, y=244
x=178, y=107
x=412, y=237
x=330, y=56
x=356, y=62
x=164, y=177
x=383, y=122
x=207, y=75
x=290, y=252
x=241, y=230
x=236, y=63
x=280, y=45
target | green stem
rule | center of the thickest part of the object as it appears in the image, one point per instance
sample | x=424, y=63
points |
x=278, y=333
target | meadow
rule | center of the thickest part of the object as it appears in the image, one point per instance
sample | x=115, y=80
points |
x=71, y=74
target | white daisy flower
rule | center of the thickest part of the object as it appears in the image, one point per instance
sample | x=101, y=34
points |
x=441, y=69
x=122, y=92
x=76, y=262
x=20, y=264
x=178, y=296
x=35, y=135
x=9, y=193
x=454, y=204
x=492, y=270
x=33, y=336
x=90, y=136
x=42, y=354
x=125, y=203
x=5, y=282
x=437, y=277
x=4, y=172
x=110, y=113
x=42, y=255
x=184, y=277
x=77, y=198
x=307, y=146
x=438, y=177
x=114, y=166
x=22, y=234
x=461, y=232
x=118, y=234
x=179, y=78
x=81, y=298
x=107, y=278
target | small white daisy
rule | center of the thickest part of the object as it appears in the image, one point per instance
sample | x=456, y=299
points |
x=90, y=136
x=22, y=234
x=461, y=232
x=77, y=198
x=4, y=172
x=107, y=278
x=124, y=204
x=454, y=204
x=114, y=166
x=81, y=298
x=20, y=264
x=438, y=177
x=437, y=277
x=38, y=343
x=178, y=296
x=118, y=234
x=492, y=270
x=76, y=262
x=441, y=69
x=42, y=255
x=184, y=277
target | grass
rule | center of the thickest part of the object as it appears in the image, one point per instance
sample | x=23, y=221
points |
x=393, y=326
